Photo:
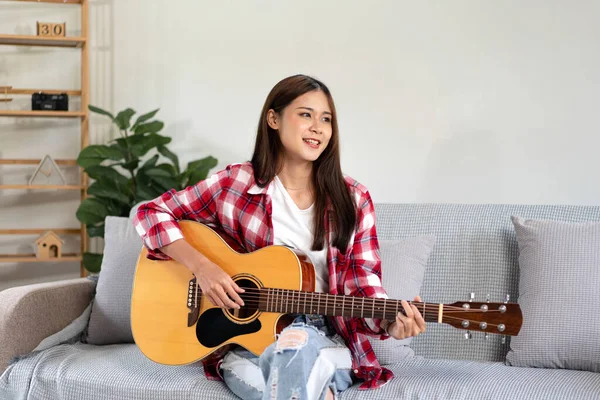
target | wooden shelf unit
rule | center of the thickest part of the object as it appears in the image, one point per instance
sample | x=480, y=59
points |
x=80, y=43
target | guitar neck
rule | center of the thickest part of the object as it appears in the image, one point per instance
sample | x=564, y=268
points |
x=294, y=301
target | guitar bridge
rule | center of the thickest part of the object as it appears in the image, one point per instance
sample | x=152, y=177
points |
x=193, y=302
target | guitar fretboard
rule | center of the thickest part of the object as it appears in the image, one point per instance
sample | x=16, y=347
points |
x=295, y=301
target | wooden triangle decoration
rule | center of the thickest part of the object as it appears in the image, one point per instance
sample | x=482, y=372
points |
x=47, y=173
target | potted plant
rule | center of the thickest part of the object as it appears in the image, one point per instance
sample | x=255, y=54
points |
x=122, y=179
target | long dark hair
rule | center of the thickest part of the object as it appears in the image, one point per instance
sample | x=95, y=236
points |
x=327, y=177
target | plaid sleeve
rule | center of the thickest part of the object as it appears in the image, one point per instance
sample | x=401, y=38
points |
x=364, y=277
x=156, y=221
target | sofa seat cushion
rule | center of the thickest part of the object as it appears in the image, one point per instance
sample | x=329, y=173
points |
x=83, y=371
x=421, y=378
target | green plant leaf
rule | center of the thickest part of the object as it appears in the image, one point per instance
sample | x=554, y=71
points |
x=123, y=119
x=95, y=154
x=98, y=110
x=151, y=162
x=92, y=262
x=92, y=211
x=131, y=165
x=171, y=156
x=144, y=118
x=108, y=189
x=95, y=230
x=154, y=140
x=98, y=172
x=150, y=127
x=198, y=170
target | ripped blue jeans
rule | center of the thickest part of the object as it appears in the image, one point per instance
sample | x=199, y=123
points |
x=305, y=362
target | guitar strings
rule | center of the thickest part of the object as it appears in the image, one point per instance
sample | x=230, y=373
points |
x=281, y=298
x=255, y=304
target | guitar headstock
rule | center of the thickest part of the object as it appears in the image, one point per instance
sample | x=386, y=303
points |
x=501, y=318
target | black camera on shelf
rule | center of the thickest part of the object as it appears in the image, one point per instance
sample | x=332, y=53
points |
x=50, y=102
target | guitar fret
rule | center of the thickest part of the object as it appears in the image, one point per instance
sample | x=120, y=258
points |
x=267, y=304
x=304, y=303
x=319, y=304
x=384, y=310
x=312, y=298
x=343, y=300
x=352, y=313
x=326, y=298
x=334, y=300
x=373, y=310
x=362, y=308
x=397, y=302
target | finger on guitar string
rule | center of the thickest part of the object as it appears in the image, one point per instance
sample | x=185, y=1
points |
x=232, y=291
x=226, y=302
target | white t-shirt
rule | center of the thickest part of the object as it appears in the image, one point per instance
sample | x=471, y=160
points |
x=293, y=227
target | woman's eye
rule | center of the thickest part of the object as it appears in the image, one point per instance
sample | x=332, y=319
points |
x=327, y=119
x=305, y=114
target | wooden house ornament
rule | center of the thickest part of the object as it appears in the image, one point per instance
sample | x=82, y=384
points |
x=48, y=246
x=47, y=173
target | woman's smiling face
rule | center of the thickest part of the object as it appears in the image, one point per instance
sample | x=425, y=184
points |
x=305, y=126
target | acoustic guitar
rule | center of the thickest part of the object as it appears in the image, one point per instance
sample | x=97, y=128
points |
x=174, y=324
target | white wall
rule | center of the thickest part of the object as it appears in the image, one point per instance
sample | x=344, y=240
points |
x=464, y=101
x=461, y=101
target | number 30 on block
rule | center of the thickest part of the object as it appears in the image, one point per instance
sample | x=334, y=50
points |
x=50, y=29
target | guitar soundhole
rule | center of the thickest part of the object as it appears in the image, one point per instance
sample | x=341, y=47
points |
x=216, y=326
x=250, y=297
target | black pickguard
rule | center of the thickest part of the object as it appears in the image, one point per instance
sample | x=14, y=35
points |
x=214, y=328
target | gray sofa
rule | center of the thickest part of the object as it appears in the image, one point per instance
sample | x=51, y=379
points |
x=476, y=250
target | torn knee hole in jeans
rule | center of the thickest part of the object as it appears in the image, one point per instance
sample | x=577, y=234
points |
x=291, y=339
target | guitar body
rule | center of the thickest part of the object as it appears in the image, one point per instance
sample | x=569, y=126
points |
x=173, y=324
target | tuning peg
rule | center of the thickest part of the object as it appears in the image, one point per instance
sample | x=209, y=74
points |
x=503, y=340
x=506, y=298
x=471, y=297
x=487, y=297
x=486, y=336
x=468, y=335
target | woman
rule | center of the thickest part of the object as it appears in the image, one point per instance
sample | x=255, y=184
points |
x=292, y=193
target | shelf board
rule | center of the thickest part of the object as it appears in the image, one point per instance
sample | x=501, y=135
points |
x=42, y=114
x=43, y=187
x=70, y=163
x=61, y=231
x=48, y=1
x=30, y=40
x=10, y=90
x=7, y=258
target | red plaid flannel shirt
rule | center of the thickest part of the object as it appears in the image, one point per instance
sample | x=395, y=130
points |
x=232, y=201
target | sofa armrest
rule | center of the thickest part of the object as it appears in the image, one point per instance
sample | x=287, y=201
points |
x=29, y=314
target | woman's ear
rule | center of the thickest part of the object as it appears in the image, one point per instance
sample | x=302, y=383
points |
x=273, y=119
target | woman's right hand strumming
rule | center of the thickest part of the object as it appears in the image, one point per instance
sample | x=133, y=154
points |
x=216, y=285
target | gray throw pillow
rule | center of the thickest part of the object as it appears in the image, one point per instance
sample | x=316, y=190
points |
x=403, y=263
x=559, y=294
x=110, y=320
